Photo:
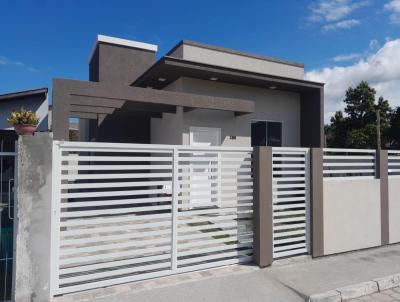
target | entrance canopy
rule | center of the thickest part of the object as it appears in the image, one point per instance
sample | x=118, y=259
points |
x=94, y=100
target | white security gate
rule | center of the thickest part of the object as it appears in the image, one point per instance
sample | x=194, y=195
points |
x=291, y=201
x=126, y=212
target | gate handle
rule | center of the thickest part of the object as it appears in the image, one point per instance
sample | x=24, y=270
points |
x=9, y=198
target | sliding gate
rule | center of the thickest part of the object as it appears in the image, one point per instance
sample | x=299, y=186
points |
x=291, y=201
x=7, y=170
x=126, y=212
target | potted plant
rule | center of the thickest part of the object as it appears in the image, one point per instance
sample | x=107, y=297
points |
x=24, y=121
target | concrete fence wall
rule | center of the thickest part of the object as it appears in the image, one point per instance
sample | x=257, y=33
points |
x=352, y=214
x=32, y=219
x=394, y=209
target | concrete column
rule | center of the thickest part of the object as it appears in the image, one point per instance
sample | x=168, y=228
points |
x=262, y=210
x=382, y=174
x=61, y=111
x=317, y=201
x=32, y=214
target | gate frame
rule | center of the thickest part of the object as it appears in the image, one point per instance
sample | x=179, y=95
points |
x=58, y=146
x=307, y=194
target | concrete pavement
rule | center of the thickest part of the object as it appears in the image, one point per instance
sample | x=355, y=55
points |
x=288, y=280
x=390, y=295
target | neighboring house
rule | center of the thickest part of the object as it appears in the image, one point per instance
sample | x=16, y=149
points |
x=195, y=94
x=35, y=100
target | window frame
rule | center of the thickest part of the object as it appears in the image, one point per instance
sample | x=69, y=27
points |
x=266, y=128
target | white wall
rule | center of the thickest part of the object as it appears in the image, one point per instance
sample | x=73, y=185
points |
x=269, y=105
x=238, y=61
x=352, y=214
x=394, y=209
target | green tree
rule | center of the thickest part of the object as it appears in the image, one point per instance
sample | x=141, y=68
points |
x=393, y=132
x=357, y=127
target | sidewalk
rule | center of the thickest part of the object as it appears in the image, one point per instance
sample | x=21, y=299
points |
x=288, y=280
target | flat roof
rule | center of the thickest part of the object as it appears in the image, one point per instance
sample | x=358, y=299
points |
x=122, y=42
x=171, y=68
x=233, y=51
x=24, y=93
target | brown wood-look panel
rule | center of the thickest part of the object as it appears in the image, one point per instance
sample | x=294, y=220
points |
x=317, y=202
x=262, y=210
x=382, y=163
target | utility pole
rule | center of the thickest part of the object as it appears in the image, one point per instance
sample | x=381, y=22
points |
x=378, y=130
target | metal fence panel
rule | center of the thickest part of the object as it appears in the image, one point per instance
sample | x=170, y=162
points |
x=349, y=163
x=291, y=201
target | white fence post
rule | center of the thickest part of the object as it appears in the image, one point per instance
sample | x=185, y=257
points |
x=55, y=218
x=308, y=203
x=175, y=192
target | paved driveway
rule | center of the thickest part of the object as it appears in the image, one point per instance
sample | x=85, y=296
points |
x=286, y=281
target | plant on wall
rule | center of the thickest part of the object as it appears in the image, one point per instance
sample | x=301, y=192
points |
x=23, y=117
x=24, y=121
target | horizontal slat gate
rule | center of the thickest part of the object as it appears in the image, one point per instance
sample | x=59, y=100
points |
x=215, y=205
x=394, y=163
x=290, y=201
x=124, y=212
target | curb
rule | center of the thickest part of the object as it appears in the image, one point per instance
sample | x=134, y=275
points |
x=357, y=290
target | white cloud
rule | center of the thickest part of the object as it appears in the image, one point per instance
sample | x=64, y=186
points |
x=394, y=7
x=6, y=61
x=345, y=58
x=334, y=14
x=380, y=69
x=344, y=24
x=334, y=10
x=373, y=46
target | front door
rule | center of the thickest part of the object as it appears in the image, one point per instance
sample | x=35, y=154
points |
x=203, y=184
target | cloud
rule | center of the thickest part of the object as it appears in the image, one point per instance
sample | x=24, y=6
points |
x=345, y=24
x=345, y=58
x=394, y=7
x=5, y=61
x=380, y=69
x=334, y=10
x=334, y=14
x=373, y=46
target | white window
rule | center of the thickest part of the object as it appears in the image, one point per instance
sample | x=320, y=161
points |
x=202, y=136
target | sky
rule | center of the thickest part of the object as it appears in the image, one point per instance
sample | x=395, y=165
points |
x=340, y=42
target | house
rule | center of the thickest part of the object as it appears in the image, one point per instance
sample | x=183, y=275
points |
x=35, y=100
x=195, y=94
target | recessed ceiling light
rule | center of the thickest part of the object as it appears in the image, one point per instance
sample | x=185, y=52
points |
x=162, y=79
x=213, y=79
x=272, y=87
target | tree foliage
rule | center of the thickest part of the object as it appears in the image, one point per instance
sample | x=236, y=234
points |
x=357, y=126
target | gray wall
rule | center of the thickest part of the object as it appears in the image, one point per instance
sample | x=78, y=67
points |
x=352, y=214
x=394, y=210
x=35, y=103
x=270, y=105
x=32, y=219
x=231, y=59
x=119, y=64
